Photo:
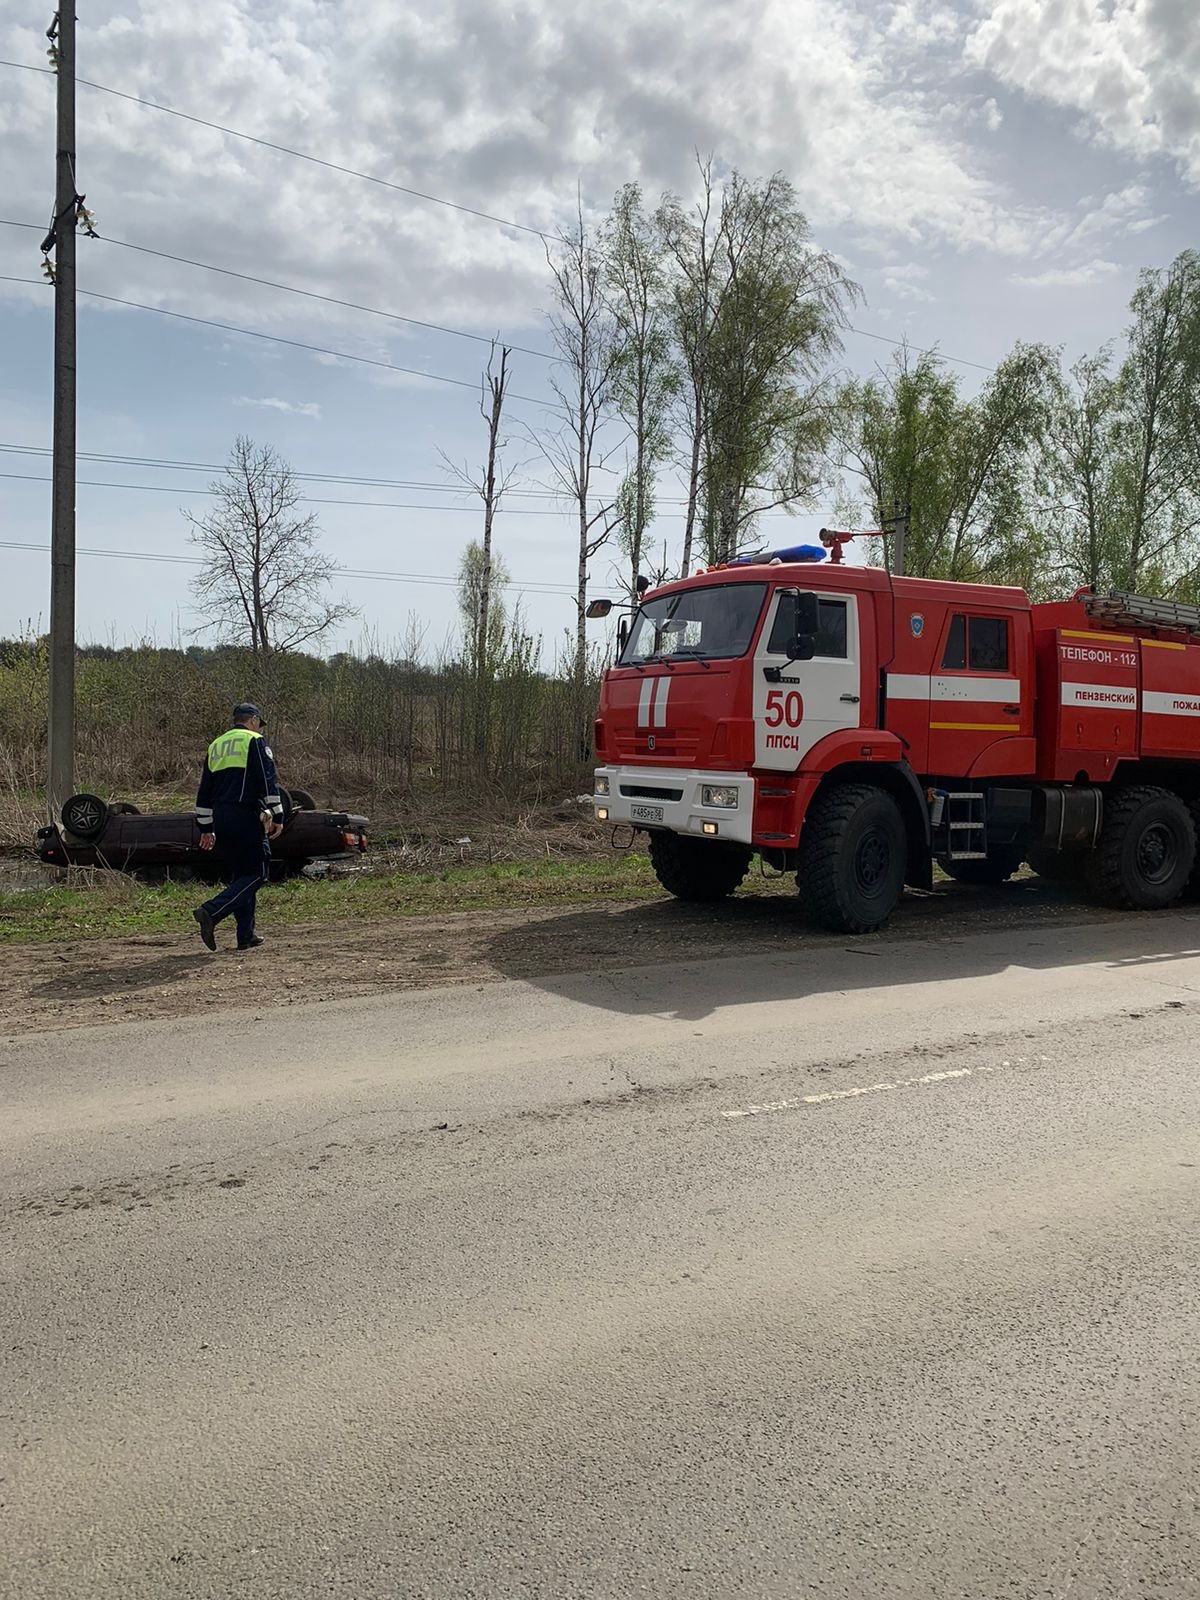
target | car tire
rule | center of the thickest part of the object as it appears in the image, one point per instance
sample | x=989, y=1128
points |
x=1147, y=850
x=302, y=800
x=853, y=852
x=84, y=816
x=122, y=808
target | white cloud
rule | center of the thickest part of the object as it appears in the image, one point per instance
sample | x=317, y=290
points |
x=904, y=281
x=503, y=107
x=293, y=408
x=1068, y=277
x=1130, y=68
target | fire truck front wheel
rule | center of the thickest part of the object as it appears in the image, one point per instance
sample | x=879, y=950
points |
x=695, y=869
x=1146, y=852
x=850, y=872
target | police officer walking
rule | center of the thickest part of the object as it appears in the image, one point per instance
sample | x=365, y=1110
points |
x=239, y=810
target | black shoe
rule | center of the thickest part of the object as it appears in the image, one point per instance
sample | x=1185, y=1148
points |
x=208, y=928
x=253, y=942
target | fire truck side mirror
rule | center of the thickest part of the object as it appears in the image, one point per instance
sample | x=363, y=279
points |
x=599, y=608
x=803, y=647
x=622, y=636
x=807, y=618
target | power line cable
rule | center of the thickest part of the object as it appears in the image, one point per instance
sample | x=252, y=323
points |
x=276, y=338
x=289, y=288
x=161, y=464
x=377, y=505
x=301, y=155
x=170, y=488
x=437, y=580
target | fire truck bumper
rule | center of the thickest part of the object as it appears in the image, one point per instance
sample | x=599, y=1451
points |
x=648, y=797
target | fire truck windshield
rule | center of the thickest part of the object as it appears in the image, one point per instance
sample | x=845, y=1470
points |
x=696, y=624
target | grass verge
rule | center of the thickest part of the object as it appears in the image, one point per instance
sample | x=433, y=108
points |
x=116, y=906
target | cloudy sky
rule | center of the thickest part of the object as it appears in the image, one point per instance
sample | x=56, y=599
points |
x=989, y=170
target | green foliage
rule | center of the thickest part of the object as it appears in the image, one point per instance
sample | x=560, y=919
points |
x=757, y=310
x=962, y=468
x=644, y=375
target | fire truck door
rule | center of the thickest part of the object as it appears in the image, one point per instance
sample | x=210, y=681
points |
x=975, y=697
x=812, y=698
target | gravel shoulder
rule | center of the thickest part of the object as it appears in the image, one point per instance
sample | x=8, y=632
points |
x=59, y=985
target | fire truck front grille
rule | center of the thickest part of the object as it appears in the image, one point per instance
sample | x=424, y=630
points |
x=647, y=791
x=667, y=744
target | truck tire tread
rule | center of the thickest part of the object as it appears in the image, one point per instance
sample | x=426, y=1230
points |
x=1109, y=877
x=695, y=869
x=823, y=872
x=1192, y=891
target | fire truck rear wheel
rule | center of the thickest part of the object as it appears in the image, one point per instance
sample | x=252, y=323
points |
x=1147, y=850
x=1192, y=892
x=852, y=858
x=695, y=869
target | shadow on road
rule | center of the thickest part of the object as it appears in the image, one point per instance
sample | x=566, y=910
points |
x=671, y=959
x=84, y=977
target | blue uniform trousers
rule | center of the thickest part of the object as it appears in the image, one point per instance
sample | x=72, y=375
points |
x=245, y=856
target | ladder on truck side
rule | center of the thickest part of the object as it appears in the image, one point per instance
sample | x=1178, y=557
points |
x=961, y=815
x=1122, y=610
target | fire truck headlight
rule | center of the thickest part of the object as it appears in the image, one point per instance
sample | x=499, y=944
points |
x=601, y=783
x=601, y=813
x=718, y=794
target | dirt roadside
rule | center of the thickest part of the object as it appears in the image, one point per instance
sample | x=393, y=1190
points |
x=69, y=985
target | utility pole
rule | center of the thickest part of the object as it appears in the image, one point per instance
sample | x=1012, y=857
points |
x=61, y=239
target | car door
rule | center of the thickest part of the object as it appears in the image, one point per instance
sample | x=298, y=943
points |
x=812, y=698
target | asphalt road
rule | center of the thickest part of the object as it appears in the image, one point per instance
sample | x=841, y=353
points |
x=868, y=1270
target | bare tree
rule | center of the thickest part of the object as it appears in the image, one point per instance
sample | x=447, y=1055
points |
x=581, y=328
x=491, y=482
x=264, y=577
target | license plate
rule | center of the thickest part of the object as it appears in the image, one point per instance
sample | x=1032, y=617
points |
x=645, y=813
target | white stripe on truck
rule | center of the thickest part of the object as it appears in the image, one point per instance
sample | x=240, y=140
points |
x=644, y=702
x=915, y=686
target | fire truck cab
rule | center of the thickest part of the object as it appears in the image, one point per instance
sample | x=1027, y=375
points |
x=856, y=728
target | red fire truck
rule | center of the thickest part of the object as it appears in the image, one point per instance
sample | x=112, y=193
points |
x=855, y=728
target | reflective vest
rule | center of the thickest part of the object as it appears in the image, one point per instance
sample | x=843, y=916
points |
x=231, y=751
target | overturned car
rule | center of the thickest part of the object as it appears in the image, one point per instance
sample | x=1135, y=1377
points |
x=94, y=833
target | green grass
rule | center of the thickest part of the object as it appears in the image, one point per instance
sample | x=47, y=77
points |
x=118, y=906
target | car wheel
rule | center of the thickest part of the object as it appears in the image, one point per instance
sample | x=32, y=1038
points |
x=122, y=808
x=302, y=800
x=84, y=815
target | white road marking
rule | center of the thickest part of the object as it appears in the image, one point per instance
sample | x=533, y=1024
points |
x=853, y=1094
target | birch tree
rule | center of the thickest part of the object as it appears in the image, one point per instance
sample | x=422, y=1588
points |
x=644, y=375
